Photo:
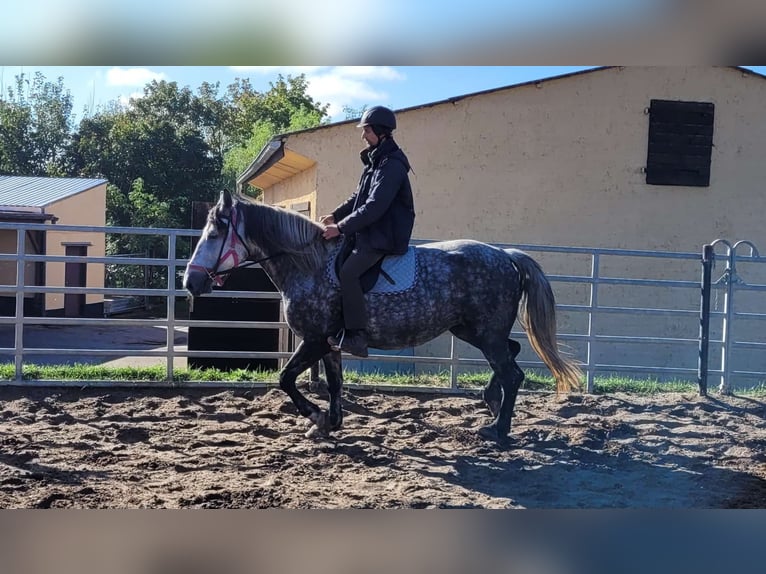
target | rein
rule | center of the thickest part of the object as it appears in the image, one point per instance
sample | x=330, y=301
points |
x=218, y=277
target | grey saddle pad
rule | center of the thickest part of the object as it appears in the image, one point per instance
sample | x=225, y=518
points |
x=401, y=269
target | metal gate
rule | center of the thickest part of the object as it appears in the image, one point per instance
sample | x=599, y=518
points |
x=732, y=328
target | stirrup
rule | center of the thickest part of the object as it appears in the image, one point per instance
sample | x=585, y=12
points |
x=340, y=336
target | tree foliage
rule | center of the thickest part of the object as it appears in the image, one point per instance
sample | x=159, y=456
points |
x=257, y=117
x=160, y=140
x=35, y=126
x=160, y=152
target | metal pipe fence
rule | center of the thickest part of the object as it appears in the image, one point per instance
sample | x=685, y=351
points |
x=639, y=313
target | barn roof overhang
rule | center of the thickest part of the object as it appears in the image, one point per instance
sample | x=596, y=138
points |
x=38, y=216
x=274, y=163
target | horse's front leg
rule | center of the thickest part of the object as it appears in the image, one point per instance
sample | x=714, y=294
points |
x=334, y=372
x=304, y=356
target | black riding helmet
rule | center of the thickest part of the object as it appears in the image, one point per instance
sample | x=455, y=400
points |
x=378, y=116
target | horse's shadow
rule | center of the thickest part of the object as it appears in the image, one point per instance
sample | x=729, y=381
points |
x=600, y=481
x=586, y=480
x=547, y=469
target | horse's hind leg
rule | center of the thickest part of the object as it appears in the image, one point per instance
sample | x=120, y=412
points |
x=499, y=429
x=504, y=383
x=493, y=392
x=334, y=373
x=509, y=376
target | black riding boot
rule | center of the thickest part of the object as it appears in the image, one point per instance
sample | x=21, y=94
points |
x=353, y=342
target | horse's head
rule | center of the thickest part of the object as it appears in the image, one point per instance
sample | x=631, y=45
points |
x=220, y=248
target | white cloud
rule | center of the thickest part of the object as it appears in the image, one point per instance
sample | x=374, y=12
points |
x=330, y=86
x=132, y=77
x=125, y=100
x=351, y=86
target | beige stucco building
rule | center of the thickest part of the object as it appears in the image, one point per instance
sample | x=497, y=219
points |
x=560, y=161
x=55, y=201
x=641, y=158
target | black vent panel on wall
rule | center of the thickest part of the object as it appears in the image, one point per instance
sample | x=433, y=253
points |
x=680, y=143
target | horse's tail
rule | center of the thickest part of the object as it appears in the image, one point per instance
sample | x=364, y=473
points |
x=537, y=315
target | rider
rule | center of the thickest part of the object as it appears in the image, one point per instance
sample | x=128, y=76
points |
x=377, y=218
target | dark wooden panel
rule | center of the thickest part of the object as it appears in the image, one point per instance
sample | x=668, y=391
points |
x=682, y=117
x=676, y=149
x=701, y=113
x=680, y=143
x=680, y=162
x=674, y=104
x=661, y=129
x=236, y=309
x=660, y=176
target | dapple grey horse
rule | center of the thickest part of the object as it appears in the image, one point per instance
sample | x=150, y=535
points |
x=472, y=289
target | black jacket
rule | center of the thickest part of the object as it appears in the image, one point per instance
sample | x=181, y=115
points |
x=381, y=213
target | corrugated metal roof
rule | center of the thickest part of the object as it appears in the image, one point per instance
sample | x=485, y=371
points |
x=20, y=191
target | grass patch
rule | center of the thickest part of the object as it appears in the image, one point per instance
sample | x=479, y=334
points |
x=158, y=373
x=535, y=381
x=608, y=385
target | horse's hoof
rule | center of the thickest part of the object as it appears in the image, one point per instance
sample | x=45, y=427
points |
x=320, y=428
x=316, y=432
x=490, y=433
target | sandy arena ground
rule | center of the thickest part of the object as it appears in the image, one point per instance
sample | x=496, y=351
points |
x=178, y=448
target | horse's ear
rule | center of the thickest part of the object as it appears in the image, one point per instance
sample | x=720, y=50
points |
x=225, y=199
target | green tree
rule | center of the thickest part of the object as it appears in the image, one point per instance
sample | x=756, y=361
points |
x=237, y=160
x=180, y=145
x=143, y=210
x=35, y=126
x=16, y=147
x=159, y=139
x=257, y=117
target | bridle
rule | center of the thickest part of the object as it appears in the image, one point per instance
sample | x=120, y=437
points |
x=218, y=277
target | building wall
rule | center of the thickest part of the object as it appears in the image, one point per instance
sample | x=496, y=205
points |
x=561, y=162
x=87, y=208
x=297, y=190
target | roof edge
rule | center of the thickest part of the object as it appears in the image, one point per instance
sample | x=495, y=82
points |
x=263, y=161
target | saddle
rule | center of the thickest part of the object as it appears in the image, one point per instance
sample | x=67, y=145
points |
x=392, y=274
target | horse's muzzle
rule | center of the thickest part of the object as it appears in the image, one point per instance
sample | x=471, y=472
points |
x=197, y=282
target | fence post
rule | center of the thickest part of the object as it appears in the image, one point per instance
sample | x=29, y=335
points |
x=454, y=363
x=731, y=279
x=590, y=374
x=170, y=307
x=727, y=279
x=704, y=338
x=18, y=327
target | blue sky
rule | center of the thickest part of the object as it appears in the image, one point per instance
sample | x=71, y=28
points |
x=339, y=86
x=353, y=86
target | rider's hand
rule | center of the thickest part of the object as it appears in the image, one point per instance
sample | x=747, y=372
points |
x=331, y=231
x=327, y=220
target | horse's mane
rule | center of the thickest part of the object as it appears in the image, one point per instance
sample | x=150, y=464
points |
x=279, y=230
